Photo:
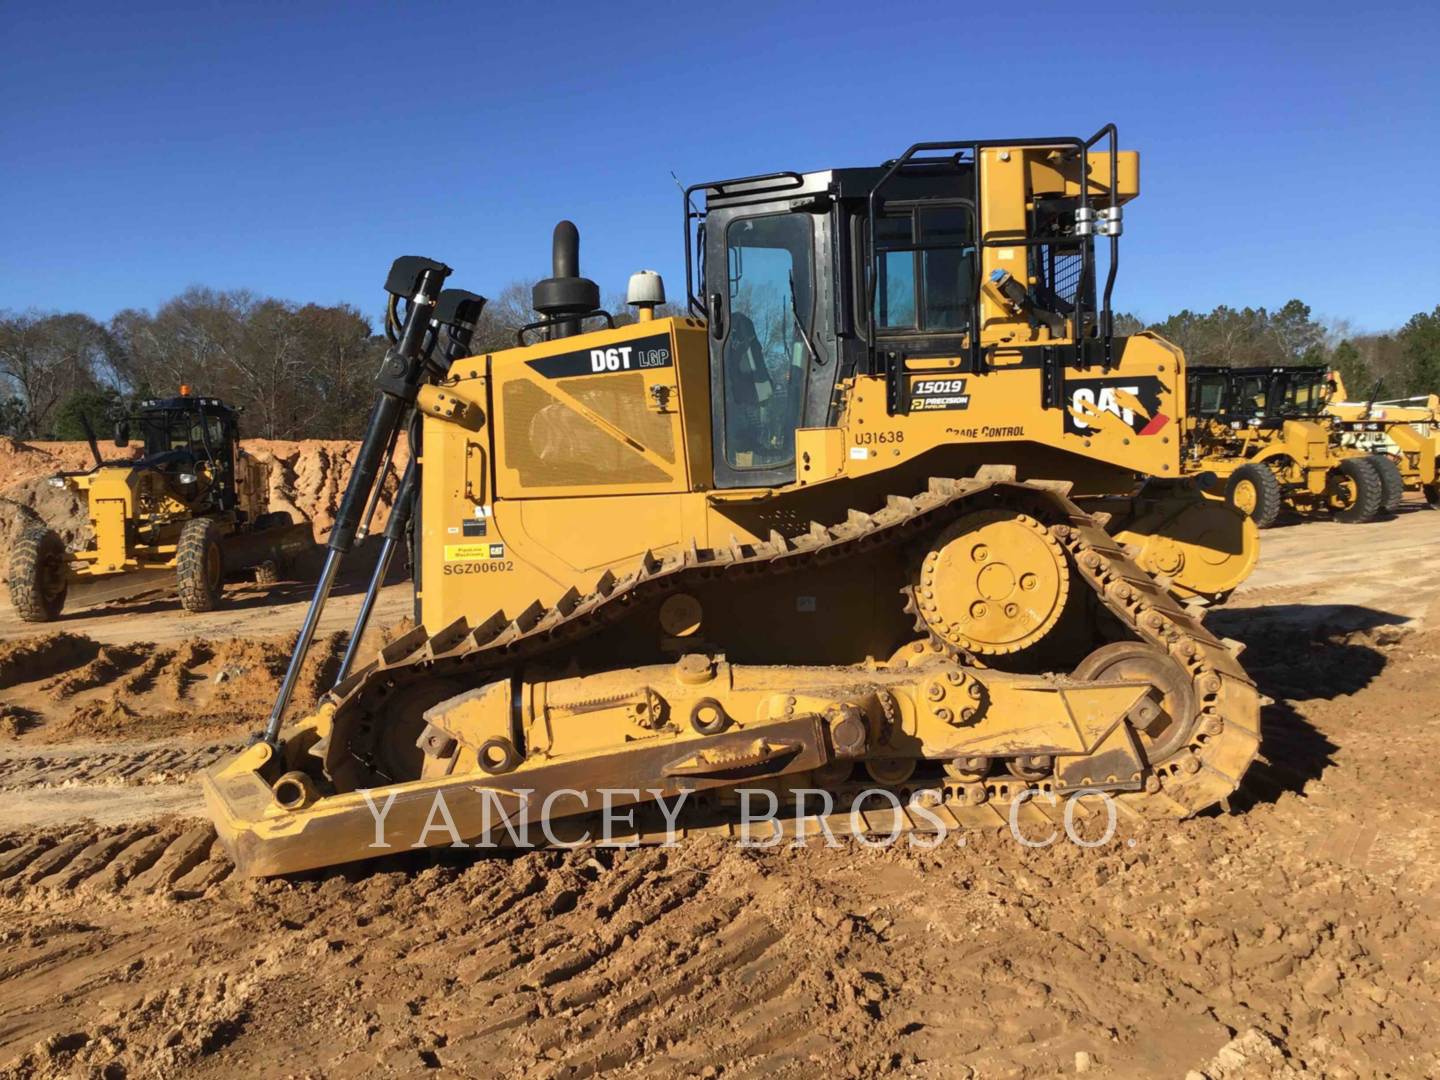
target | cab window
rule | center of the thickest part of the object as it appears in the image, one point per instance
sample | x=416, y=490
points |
x=926, y=269
x=1209, y=392
x=771, y=285
x=1250, y=395
x=1306, y=395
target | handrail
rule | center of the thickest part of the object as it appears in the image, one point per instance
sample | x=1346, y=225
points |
x=794, y=179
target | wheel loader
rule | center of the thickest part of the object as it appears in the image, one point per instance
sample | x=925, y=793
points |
x=1264, y=434
x=191, y=509
x=887, y=511
x=1403, y=433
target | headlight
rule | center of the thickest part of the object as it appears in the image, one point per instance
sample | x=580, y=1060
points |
x=57, y=481
x=186, y=478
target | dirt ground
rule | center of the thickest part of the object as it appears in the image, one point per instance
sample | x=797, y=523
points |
x=1297, y=935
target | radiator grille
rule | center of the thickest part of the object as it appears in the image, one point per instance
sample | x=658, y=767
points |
x=620, y=400
x=550, y=444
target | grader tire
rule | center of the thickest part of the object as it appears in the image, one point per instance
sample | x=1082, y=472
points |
x=1369, y=493
x=1432, y=496
x=1255, y=490
x=199, y=566
x=37, y=575
x=1391, y=482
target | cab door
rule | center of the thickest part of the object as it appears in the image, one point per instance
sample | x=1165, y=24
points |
x=772, y=346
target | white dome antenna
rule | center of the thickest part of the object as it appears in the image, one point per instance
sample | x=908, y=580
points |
x=645, y=294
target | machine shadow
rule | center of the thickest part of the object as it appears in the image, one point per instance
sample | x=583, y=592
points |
x=1293, y=752
x=1298, y=653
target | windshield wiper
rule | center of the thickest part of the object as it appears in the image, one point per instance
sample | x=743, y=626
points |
x=800, y=324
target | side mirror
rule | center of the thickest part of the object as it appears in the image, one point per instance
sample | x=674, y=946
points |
x=122, y=434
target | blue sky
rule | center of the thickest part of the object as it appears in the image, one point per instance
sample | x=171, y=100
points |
x=295, y=148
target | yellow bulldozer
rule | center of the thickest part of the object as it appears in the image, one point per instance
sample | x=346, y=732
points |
x=1405, y=432
x=1263, y=432
x=191, y=509
x=889, y=508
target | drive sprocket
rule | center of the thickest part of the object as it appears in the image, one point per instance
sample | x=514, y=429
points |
x=994, y=582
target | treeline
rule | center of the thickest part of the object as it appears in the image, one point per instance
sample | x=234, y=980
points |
x=294, y=368
x=305, y=370
x=297, y=370
x=1399, y=363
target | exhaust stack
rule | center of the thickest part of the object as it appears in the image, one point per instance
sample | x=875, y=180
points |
x=566, y=297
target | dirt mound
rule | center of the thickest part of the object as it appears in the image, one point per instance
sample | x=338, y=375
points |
x=40, y=657
x=15, y=721
x=308, y=478
x=248, y=672
x=62, y=686
x=99, y=719
x=20, y=461
x=76, y=456
x=37, y=502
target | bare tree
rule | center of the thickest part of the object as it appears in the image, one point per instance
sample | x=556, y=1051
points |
x=47, y=358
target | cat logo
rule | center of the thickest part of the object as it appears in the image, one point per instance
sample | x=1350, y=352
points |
x=1135, y=402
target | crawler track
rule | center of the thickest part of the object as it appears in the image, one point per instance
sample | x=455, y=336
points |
x=1204, y=771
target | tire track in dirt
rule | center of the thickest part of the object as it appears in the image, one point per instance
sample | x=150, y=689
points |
x=134, y=861
x=51, y=766
x=1296, y=936
x=607, y=966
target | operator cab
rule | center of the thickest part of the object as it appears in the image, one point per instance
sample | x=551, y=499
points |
x=184, y=432
x=807, y=279
x=1267, y=396
x=1206, y=391
x=1303, y=391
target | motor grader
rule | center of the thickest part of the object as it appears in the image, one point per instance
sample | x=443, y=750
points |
x=1263, y=433
x=1404, y=433
x=889, y=506
x=193, y=507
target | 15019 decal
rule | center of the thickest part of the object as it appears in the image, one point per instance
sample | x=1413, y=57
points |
x=929, y=393
x=1135, y=401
